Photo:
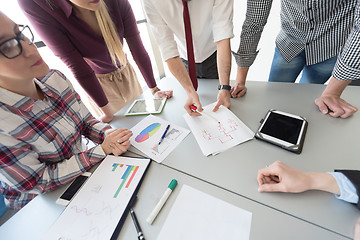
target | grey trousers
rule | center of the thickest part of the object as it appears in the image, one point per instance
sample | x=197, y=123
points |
x=206, y=69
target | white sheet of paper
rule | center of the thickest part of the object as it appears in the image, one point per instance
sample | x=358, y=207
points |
x=147, y=134
x=196, y=215
x=96, y=210
x=213, y=137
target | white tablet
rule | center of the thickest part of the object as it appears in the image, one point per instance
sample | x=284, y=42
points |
x=283, y=129
x=146, y=106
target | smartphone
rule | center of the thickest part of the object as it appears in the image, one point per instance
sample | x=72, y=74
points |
x=71, y=191
x=283, y=129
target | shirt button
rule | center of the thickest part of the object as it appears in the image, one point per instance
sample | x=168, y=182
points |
x=310, y=8
x=311, y=29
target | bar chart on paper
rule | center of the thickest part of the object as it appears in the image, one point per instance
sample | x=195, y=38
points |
x=129, y=172
x=96, y=210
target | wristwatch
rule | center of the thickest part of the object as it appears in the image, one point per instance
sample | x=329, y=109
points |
x=226, y=87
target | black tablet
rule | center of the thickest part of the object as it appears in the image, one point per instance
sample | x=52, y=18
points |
x=283, y=129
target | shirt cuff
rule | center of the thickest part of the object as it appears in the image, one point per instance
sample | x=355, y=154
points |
x=244, y=60
x=347, y=188
x=344, y=72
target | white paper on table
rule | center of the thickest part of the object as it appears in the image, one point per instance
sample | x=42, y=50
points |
x=97, y=208
x=147, y=134
x=196, y=215
x=213, y=137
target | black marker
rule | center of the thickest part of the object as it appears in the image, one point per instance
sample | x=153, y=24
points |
x=137, y=226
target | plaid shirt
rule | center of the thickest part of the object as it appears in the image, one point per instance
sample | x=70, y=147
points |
x=41, y=143
x=320, y=27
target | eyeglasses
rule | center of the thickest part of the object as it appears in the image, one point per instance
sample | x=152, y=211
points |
x=12, y=47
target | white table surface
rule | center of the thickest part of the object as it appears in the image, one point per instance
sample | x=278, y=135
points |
x=330, y=143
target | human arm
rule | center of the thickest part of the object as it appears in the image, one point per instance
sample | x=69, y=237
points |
x=279, y=177
x=257, y=13
x=239, y=89
x=222, y=14
x=179, y=71
x=347, y=68
x=48, y=23
x=224, y=68
x=330, y=101
x=137, y=49
x=164, y=37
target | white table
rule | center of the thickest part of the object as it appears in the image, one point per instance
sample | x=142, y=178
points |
x=330, y=144
x=36, y=218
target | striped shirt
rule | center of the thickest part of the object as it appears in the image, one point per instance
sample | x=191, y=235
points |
x=347, y=66
x=41, y=144
x=318, y=27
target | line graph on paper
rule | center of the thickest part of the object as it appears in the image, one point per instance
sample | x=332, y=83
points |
x=170, y=137
x=97, y=208
x=222, y=133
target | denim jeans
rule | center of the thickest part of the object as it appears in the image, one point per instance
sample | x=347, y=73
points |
x=3, y=208
x=283, y=71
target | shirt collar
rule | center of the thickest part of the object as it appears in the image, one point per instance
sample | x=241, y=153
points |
x=19, y=101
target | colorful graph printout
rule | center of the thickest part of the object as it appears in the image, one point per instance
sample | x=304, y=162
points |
x=155, y=127
x=147, y=132
x=96, y=210
x=213, y=137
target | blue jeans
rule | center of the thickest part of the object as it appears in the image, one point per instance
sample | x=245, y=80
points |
x=3, y=208
x=283, y=71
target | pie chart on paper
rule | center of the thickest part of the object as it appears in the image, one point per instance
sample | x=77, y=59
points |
x=147, y=132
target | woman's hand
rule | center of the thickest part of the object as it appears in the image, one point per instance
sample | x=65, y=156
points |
x=117, y=141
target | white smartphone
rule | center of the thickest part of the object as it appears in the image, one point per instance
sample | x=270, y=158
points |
x=283, y=129
x=71, y=191
x=146, y=106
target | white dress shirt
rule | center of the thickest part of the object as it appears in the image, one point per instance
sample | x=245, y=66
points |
x=211, y=21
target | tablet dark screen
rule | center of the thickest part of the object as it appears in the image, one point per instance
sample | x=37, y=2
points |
x=282, y=127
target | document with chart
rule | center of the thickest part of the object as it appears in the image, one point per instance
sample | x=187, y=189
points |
x=218, y=131
x=156, y=137
x=96, y=210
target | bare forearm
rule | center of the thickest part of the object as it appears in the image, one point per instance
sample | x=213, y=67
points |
x=324, y=182
x=335, y=87
x=224, y=61
x=241, y=75
x=179, y=71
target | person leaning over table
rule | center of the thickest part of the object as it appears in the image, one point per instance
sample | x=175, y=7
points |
x=211, y=27
x=87, y=35
x=43, y=122
x=279, y=177
x=316, y=37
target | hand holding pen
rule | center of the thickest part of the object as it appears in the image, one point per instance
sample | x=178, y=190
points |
x=194, y=108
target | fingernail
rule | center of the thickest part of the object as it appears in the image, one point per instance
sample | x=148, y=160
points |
x=260, y=189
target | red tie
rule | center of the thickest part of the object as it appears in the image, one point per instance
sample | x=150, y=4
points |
x=189, y=46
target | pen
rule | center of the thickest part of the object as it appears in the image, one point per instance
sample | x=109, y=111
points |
x=163, y=136
x=194, y=108
x=162, y=201
x=137, y=226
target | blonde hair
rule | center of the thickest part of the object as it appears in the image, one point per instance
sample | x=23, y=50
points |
x=110, y=34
